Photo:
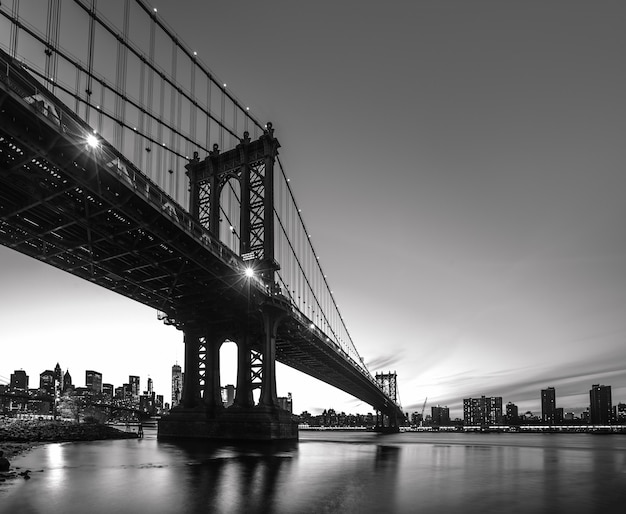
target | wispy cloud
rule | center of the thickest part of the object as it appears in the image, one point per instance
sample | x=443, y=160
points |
x=386, y=361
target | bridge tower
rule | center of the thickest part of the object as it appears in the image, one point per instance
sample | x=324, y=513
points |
x=252, y=327
x=388, y=382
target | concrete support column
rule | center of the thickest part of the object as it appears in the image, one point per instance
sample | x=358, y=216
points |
x=269, y=397
x=243, y=395
x=191, y=382
x=212, y=381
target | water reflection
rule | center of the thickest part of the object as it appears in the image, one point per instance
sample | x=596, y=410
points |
x=232, y=478
x=328, y=473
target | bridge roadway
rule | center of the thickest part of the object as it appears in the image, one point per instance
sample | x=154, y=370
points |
x=91, y=213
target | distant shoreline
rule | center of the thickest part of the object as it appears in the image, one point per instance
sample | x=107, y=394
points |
x=564, y=429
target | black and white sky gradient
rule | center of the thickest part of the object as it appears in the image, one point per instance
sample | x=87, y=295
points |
x=460, y=166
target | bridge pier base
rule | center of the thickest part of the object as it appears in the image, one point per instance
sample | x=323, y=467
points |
x=257, y=423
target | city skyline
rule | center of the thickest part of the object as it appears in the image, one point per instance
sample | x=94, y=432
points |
x=546, y=400
x=460, y=168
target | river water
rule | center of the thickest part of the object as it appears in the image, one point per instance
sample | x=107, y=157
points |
x=328, y=472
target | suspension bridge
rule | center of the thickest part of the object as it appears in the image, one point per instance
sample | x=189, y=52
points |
x=126, y=162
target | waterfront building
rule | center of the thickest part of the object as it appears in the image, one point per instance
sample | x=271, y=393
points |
x=440, y=416
x=93, y=381
x=512, y=414
x=46, y=381
x=548, y=406
x=119, y=393
x=19, y=380
x=416, y=419
x=620, y=413
x=177, y=384
x=559, y=416
x=482, y=411
x=601, y=408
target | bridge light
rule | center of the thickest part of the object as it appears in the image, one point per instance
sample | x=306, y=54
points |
x=92, y=141
x=249, y=272
x=311, y=326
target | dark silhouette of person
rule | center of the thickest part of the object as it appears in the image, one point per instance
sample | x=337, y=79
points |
x=4, y=463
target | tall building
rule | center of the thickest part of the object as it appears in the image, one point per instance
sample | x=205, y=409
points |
x=133, y=382
x=19, y=380
x=150, y=386
x=482, y=411
x=93, y=381
x=512, y=414
x=440, y=416
x=67, y=381
x=58, y=377
x=46, y=381
x=177, y=384
x=601, y=408
x=548, y=406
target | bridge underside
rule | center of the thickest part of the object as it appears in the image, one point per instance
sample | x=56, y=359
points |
x=76, y=209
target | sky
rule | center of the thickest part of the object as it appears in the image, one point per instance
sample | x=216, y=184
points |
x=460, y=167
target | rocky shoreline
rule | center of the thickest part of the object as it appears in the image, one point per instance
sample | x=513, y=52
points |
x=19, y=436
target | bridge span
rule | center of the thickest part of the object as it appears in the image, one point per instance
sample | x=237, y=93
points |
x=71, y=199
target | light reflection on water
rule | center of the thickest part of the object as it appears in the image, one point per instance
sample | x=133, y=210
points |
x=328, y=472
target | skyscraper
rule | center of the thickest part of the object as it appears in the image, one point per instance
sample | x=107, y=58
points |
x=548, y=406
x=177, y=384
x=93, y=381
x=67, y=380
x=133, y=382
x=58, y=377
x=46, y=381
x=601, y=408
